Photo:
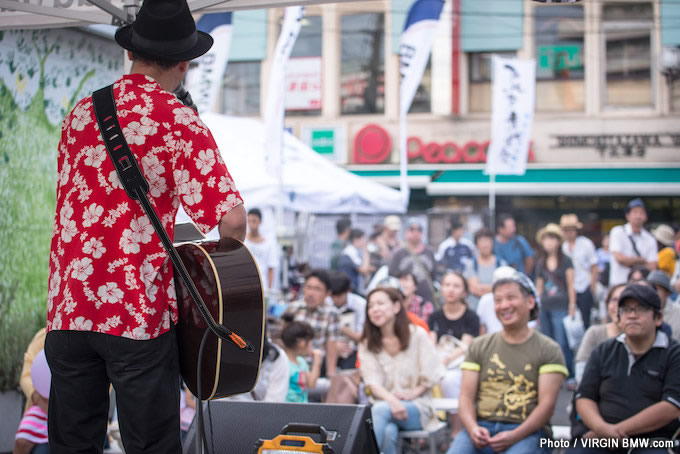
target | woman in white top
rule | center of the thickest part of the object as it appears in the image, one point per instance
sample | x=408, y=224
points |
x=399, y=367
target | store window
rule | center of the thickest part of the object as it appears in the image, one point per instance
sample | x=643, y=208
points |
x=422, y=101
x=559, y=58
x=362, y=68
x=627, y=35
x=480, y=69
x=241, y=93
x=303, y=71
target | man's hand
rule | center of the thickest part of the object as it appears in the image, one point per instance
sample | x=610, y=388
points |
x=344, y=349
x=609, y=431
x=502, y=441
x=480, y=437
x=398, y=410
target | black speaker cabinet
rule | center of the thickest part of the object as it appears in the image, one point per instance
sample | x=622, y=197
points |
x=234, y=427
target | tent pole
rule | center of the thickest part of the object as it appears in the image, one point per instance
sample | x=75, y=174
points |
x=492, y=202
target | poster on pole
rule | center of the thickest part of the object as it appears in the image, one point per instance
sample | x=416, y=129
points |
x=513, y=93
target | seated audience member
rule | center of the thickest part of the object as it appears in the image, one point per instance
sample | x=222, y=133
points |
x=486, y=311
x=454, y=319
x=414, y=303
x=479, y=271
x=637, y=273
x=631, y=384
x=511, y=379
x=31, y=436
x=670, y=310
x=36, y=346
x=272, y=381
x=399, y=368
x=352, y=310
x=596, y=334
x=321, y=315
x=297, y=343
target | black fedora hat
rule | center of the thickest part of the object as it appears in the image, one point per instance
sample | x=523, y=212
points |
x=164, y=30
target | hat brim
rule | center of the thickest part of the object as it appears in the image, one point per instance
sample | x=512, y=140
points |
x=203, y=43
x=578, y=226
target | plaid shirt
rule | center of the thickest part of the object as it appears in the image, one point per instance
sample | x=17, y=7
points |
x=325, y=320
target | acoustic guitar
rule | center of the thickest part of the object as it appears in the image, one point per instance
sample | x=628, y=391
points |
x=227, y=278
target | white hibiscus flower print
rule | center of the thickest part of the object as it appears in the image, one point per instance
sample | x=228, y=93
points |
x=193, y=194
x=147, y=273
x=181, y=180
x=157, y=186
x=143, y=111
x=114, y=181
x=92, y=214
x=142, y=229
x=134, y=133
x=82, y=268
x=68, y=230
x=110, y=293
x=226, y=184
x=128, y=242
x=81, y=117
x=94, y=247
x=148, y=126
x=80, y=324
x=205, y=161
x=152, y=166
x=95, y=155
x=65, y=213
x=185, y=115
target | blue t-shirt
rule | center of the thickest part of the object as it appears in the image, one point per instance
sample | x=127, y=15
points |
x=297, y=385
x=513, y=252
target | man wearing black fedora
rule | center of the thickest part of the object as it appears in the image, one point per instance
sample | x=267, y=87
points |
x=111, y=307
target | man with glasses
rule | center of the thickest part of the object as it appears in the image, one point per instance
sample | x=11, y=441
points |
x=416, y=258
x=631, y=384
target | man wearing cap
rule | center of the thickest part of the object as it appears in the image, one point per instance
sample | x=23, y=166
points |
x=511, y=378
x=417, y=258
x=631, y=383
x=631, y=244
x=671, y=311
x=667, y=256
x=583, y=256
x=388, y=241
x=111, y=307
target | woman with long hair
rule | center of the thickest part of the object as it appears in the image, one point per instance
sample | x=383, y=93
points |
x=555, y=285
x=399, y=368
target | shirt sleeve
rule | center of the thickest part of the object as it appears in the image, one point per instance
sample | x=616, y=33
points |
x=671, y=385
x=652, y=254
x=470, y=268
x=471, y=324
x=616, y=237
x=333, y=326
x=591, y=253
x=589, y=388
x=371, y=372
x=552, y=360
x=526, y=249
x=472, y=357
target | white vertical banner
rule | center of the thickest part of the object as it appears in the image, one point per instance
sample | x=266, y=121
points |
x=415, y=45
x=513, y=94
x=274, y=112
x=205, y=80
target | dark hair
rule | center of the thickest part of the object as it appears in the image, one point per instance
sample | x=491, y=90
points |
x=321, y=275
x=407, y=272
x=543, y=256
x=153, y=61
x=501, y=220
x=255, y=212
x=342, y=225
x=402, y=323
x=355, y=234
x=484, y=232
x=455, y=223
x=533, y=314
x=294, y=331
x=460, y=275
x=611, y=291
x=340, y=282
x=641, y=268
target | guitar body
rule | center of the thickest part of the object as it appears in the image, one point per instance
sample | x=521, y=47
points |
x=228, y=280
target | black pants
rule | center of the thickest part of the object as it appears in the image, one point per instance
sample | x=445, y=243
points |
x=585, y=302
x=145, y=375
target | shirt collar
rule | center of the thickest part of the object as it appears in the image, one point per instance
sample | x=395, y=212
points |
x=661, y=341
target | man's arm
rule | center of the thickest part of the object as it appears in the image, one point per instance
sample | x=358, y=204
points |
x=467, y=410
x=548, y=388
x=650, y=419
x=233, y=224
x=627, y=260
x=331, y=358
x=589, y=412
x=529, y=264
x=594, y=277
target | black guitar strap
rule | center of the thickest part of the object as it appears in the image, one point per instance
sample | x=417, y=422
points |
x=136, y=187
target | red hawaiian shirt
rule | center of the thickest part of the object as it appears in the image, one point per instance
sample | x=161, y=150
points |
x=108, y=269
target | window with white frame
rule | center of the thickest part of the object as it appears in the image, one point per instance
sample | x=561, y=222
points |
x=241, y=93
x=627, y=54
x=480, y=73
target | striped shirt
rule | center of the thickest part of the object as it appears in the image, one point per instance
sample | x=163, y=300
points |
x=33, y=426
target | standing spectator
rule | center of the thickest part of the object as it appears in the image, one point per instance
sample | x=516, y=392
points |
x=297, y=343
x=555, y=284
x=670, y=310
x=631, y=244
x=631, y=384
x=399, y=368
x=583, y=256
x=597, y=334
x=512, y=248
x=457, y=320
x=417, y=258
x=604, y=258
x=667, y=256
x=352, y=310
x=342, y=228
x=414, y=304
x=352, y=262
x=264, y=251
x=511, y=379
x=388, y=241
x=455, y=251
x=322, y=316
x=479, y=271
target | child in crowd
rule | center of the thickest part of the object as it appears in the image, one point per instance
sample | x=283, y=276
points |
x=297, y=343
x=31, y=436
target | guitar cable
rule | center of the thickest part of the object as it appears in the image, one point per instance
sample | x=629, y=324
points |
x=200, y=430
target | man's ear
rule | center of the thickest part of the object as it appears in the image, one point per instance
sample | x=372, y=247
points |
x=183, y=66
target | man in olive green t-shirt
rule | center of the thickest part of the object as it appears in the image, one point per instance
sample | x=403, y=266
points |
x=511, y=378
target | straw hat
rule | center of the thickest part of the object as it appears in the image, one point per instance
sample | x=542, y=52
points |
x=552, y=229
x=664, y=234
x=570, y=221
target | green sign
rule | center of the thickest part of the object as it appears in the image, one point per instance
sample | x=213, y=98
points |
x=559, y=57
x=323, y=141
